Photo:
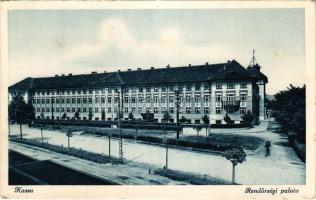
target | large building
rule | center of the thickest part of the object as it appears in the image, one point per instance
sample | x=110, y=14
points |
x=209, y=89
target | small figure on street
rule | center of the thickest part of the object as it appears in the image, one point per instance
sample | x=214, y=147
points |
x=267, y=146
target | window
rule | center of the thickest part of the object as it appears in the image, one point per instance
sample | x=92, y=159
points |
x=68, y=100
x=90, y=109
x=230, y=85
x=68, y=91
x=38, y=101
x=140, y=89
x=109, y=99
x=57, y=109
x=218, y=85
x=197, y=86
x=109, y=109
x=133, y=99
x=84, y=100
x=171, y=88
x=218, y=97
x=206, y=110
x=171, y=110
x=171, y=98
x=73, y=100
x=243, y=97
x=126, y=109
x=207, y=86
x=197, y=110
x=218, y=110
x=84, y=91
x=90, y=100
x=73, y=109
x=156, y=89
x=133, y=109
x=164, y=89
x=188, y=87
x=163, y=99
x=188, y=99
x=147, y=89
x=90, y=91
x=126, y=90
x=243, y=85
x=230, y=110
x=78, y=100
x=243, y=110
x=188, y=110
x=47, y=100
x=197, y=99
x=155, y=99
x=125, y=99
x=147, y=99
x=103, y=100
x=38, y=109
x=79, y=110
x=116, y=99
x=96, y=100
x=110, y=90
x=230, y=97
x=84, y=109
x=155, y=110
x=57, y=100
x=68, y=109
x=73, y=91
x=96, y=109
x=206, y=98
x=218, y=121
x=62, y=109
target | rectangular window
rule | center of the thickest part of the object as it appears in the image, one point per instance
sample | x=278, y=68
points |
x=84, y=91
x=197, y=86
x=68, y=100
x=79, y=109
x=116, y=99
x=78, y=100
x=90, y=91
x=197, y=110
x=109, y=109
x=147, y=99
x=90, y=100
x=188, y=99
x=218, y=85
x=96, y=109
x=68, y=109
x=147, y=89
x=230, y=85
x=206, y=110
x=171, y=98
x=126, y=90
x=47, y=100
x=62, y=109
x=243, y=85
x=156, y=89
x=90, y=110
x=171, y=88
x=73, y=110
x=110, y=90
x=218, y=97
x=243, y=97
x=140, y=99
x=171, y=110
x=188, y=87
x=230, y=97
x=206, y=98
x=133, y=99
x=188, y=110
x=125, y=99
x=197, y=99
x=140, y=89
x=84, y=100
x=164, y=89
x=243, y=110
x=73, y=100
x=156, y=110
x=102, y=100
x=218, y=110
x=126, y=109
x=57, y=109
x=163, y=99
x=109, y=99
x=155, y=99
x=84, y=109
x=68, y=91
x=57, y=100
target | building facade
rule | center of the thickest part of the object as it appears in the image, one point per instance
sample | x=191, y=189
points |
x=212, y=90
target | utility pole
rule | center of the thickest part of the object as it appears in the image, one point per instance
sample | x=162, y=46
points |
x=166, y=145
x=177, y=92
x=109, y=146
x=120, y=127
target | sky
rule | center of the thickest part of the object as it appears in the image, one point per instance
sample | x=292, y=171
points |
x=48, y=42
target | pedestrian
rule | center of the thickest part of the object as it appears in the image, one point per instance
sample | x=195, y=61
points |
x=267, y=146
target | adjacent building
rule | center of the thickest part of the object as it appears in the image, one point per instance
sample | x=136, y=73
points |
x=208, y=89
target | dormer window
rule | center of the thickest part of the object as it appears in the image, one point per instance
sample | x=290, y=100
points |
x=230, y=85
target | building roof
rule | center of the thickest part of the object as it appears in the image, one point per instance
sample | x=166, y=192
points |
x=198, y=73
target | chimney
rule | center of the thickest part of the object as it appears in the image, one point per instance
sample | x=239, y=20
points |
x=56, y=75
x=228, y=61
x=105, y=72
x=129, y=70
x=94, y=72
x=152, y=68
x=119, y=70
x=70, y=74
x=62, y=74
x=189, y=65
x=206, y=63
x=168, y=66
x=138, y=69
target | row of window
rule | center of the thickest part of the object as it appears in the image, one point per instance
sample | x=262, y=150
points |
x=230, y=97
x=230, y=85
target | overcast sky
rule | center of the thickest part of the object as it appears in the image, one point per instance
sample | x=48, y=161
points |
x=45, y=43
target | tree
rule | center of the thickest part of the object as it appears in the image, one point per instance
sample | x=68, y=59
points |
x=77, y=115
x=167, y=117
x=228, y=120
x=183, y=119
x=130, y=116
x=20, y=111
x=198, y=129
x=206, y=121
x=90, y=115
x=248, y=117
x=64, y=116
x=290, y=109
x=235, y=156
